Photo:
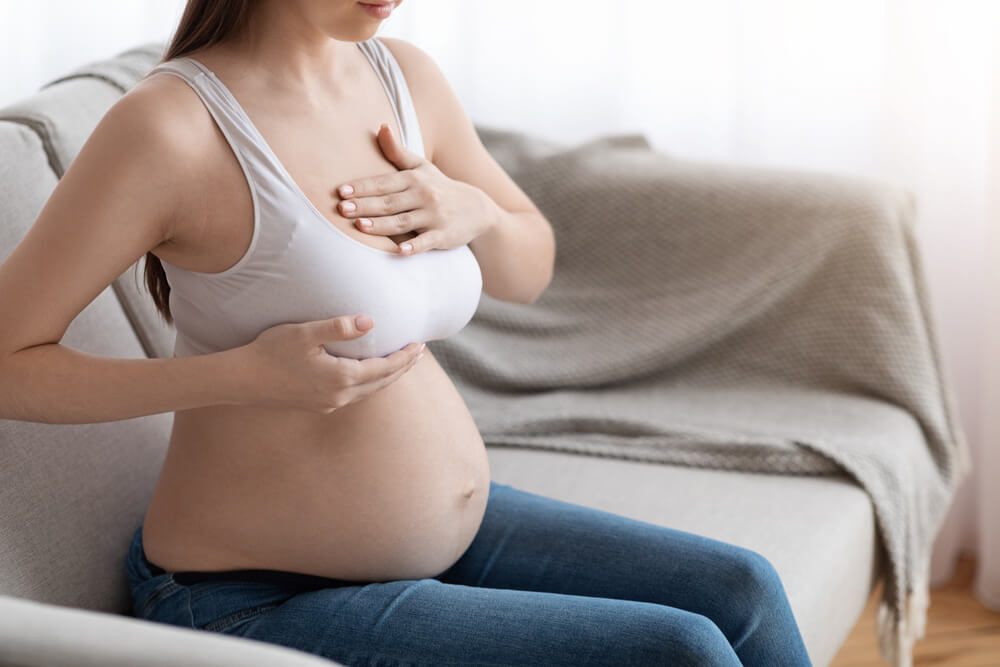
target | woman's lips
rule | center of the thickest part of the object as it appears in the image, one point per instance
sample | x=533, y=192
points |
x=378, y=10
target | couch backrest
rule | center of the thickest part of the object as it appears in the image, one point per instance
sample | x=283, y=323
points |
x=72, y=494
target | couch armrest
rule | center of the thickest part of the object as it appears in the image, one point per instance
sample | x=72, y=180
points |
x=38, y=634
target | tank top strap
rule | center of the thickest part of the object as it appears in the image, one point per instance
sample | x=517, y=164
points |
x=247, y=144
x=260, y=161
x=391, y=75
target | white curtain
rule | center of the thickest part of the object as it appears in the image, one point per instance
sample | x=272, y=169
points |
x=43, y=39
x=906, y=91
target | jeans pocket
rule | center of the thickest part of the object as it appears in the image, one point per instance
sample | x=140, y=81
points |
x=222, y=605
x=158, y=593
x=230, y=622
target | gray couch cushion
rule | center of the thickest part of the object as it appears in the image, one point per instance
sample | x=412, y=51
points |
x=70, y=495
x=66, y=110
x=25, y=182
x=819, y=532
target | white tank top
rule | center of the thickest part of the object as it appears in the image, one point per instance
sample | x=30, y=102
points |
x=299, y=266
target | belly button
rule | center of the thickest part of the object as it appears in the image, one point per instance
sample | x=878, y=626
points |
x=470, y=488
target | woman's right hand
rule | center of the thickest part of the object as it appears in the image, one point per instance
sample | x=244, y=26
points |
x=292, y=369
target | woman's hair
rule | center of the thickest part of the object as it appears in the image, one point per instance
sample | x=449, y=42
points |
x=204, y=23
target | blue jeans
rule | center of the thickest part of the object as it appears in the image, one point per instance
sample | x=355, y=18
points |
x=544, y=582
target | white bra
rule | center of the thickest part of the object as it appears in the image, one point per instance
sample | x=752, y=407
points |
x=299, y=266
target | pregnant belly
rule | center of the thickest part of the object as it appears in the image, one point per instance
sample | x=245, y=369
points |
x=393, y=486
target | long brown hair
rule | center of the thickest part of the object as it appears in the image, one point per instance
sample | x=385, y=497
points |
x=204, y=23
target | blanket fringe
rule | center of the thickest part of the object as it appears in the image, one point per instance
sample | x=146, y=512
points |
x=896, y=635
x=963, y=456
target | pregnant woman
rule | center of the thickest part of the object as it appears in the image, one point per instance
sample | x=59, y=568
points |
x=325, y=486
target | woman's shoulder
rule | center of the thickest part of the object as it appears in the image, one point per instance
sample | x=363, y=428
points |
x=169, y=109
x=433, y=97
x=419, y=68
x=171, y=105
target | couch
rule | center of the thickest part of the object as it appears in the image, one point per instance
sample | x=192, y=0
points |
x=72, y=495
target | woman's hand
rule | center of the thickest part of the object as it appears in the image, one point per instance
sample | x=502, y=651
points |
x=446, y=213
x=292, y=369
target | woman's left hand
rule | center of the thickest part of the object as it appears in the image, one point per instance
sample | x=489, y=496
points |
x=444, y=212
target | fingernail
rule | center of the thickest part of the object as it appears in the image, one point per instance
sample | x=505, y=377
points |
x=363, y=321
x=346, y=190
x=420, y=356
x=422, y=346
x=348, y=206
x=365, y=222
x=407, y=247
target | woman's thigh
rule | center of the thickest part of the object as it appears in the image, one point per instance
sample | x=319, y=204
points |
x=428, y=622
x=543, y=582
x=532, y=542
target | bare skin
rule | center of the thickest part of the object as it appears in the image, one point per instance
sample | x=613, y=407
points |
x=281, y=457
x=393, y=486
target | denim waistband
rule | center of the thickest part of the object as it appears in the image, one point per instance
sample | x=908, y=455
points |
x=280, y=577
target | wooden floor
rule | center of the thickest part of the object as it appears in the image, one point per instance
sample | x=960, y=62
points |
x=961, y=632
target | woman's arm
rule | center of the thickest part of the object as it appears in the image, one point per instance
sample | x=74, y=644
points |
x=119, y=198
x=517, y=254
x=56, y=384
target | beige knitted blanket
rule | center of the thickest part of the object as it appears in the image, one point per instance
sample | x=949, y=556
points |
x=726, y=317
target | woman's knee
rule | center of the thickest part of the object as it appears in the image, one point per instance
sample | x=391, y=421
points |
x=615, y=632
x=690, y=640
x=753, y=589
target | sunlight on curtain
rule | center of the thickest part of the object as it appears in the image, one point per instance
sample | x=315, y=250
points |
x=988, y=492
x=43, y=39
